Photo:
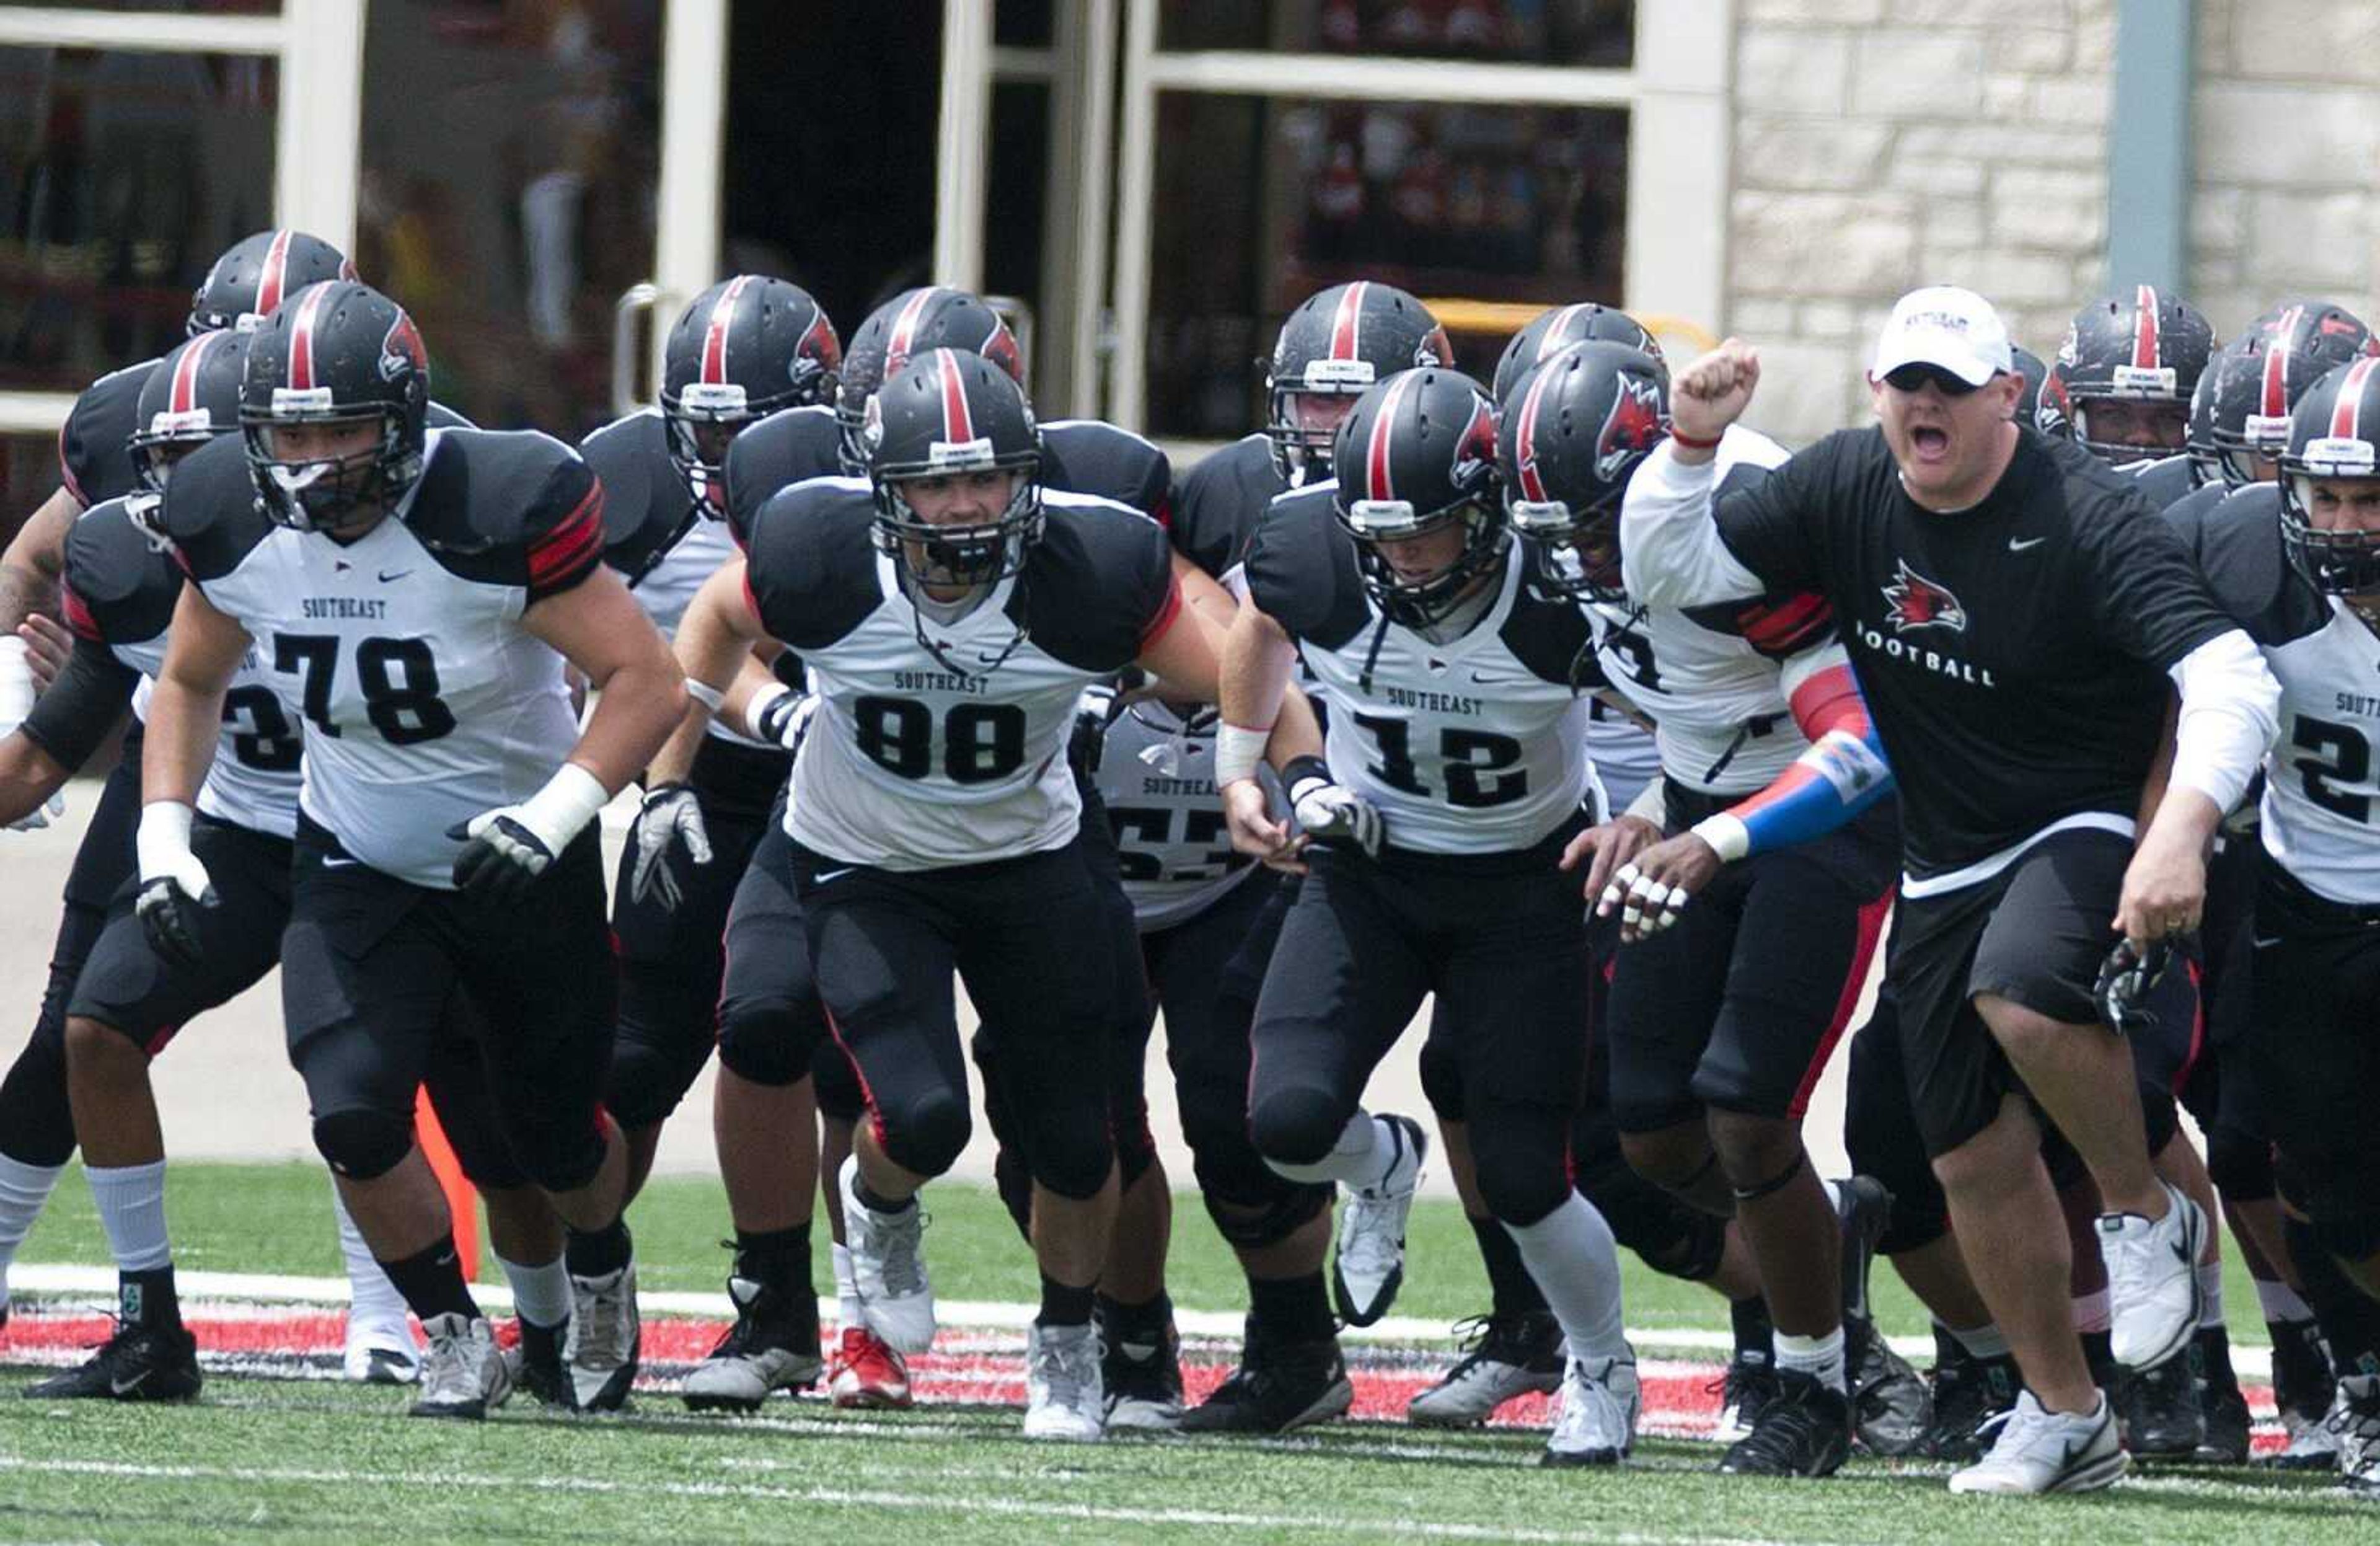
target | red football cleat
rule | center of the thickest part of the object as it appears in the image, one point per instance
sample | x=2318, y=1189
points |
x=869, y=1373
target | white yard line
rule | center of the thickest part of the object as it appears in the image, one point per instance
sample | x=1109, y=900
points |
x=33, y=1279
x=905, y=1502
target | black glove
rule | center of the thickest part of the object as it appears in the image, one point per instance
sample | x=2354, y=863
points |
x=501, y=858
x=169, y=921
x=2125, y=978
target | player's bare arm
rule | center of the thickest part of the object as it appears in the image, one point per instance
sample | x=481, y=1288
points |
x=35, y=559
x=599, y=629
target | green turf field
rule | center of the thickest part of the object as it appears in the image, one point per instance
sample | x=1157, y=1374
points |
x=286, y=1460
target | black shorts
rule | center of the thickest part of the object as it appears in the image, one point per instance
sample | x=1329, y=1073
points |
x=103, y=861
x=771, y=1028
x=1205, y=973
x=2317, y=1013
x=671, y=959
x=371, y=964
x=1740, y=1002
x=127, y=986
x=2035, y=935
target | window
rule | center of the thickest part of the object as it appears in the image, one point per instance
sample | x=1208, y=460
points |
x=1592, y=32
x=122, y=176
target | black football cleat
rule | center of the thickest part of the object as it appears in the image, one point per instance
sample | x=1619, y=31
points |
x=1804, y=1429
x=139, y=1363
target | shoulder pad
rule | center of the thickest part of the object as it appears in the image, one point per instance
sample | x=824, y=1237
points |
x=1091, y=456
x=508, y=507
x=2237, y=541
x=1301, y=568
x=1779, y=627
x=1099, y=582
x=1549, y=632
x=441, y=417
x=790, y=447
x=210, y=511
x=646, y=505
x=119, y=589
x=1219, y=501
x=811, y=562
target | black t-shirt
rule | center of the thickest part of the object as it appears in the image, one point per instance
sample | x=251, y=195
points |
x=2014, y=654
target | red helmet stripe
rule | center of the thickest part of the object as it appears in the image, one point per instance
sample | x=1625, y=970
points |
x=1347, y=323
x=1524, y=439
x=1551, y=342
x=270, y=279
x=904, y=336
x=2347, y=409
x=1378, y=483
x=2276, y=397
x=184, y=396
x=301, y=337
x=714, y=334
x=2144, y=328
x=958, y=424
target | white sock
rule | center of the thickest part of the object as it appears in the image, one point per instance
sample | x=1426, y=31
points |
x=132, y=1210
x=2281, y=1304
x=1981, y=1341
x=2092, y=1312
x=846, y=1289
x=1821, y=1357
x=372, y=1298
x=24, y=1190
x=1576, y=1262
x=540, y=1295
x=2210, y=1289
x=1356, y=1159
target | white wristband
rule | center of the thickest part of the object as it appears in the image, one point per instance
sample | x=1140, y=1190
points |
x=163, y=838
x=1238, y=750
x=760, y=701
x=569, y=800
x=1727, y=837
x=705, y=694
x=15, y=684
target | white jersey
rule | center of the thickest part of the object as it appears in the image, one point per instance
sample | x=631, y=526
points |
x=1710, y=678
x=1155, y=774
x=1476, y=744
x=120, y=591
x=1626, y=756
x=2321, y=790
x=429, y=703
x=943, y=743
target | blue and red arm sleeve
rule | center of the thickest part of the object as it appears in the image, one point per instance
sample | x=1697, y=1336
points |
x=1842, y=773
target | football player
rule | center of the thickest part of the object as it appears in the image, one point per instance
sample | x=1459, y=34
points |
x=418, y=594
x=1772, y=792
x=95, y=464
x=745, y=349
x=1452, y=781
x=2125, y=370
x=951, y=609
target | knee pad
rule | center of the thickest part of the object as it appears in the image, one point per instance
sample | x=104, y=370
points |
x=1671, y=1238
x=1252, y=1226
x=35, y=1117
x=1135, y=1145
x=1072, y=1157
x=1441, y=1080
x=767, y=1041
x=2240, y=1163
x=1520, y=1156
x=648, y=1079
x=1296, y=1126
x=928, y=1133
x=362, y=1143
x=1014, y=1184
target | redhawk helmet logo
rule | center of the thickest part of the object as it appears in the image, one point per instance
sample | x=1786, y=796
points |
x=401, y=348
x=1633, y=428
x=1475, y=449
x=1914, y=602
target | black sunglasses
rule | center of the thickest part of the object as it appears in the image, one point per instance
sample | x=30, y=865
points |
x=1914, y=377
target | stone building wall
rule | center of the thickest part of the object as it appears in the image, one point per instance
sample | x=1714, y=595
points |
x=1882, y=144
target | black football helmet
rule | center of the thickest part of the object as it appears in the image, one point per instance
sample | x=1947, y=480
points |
x=191, y=396
x=2044, y=403
x=2146, y=346
x=1551, y=332
x=2334, y=434
x=740, y=351
x=2242, y=407
x=336, y=353
x=910, y=325
x=1340, y=343
x=257, y=273
x=1574, y=433
x=1415, y=455
x=948, y=412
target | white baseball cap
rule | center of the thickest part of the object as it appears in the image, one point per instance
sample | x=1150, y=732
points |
x=1946, y=325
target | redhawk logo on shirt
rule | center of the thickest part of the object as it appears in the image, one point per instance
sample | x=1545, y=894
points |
x=1917, y=602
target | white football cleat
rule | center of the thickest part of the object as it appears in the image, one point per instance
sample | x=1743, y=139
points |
x=888, y=1268
x=1370, y=1264
x=2040, y=1451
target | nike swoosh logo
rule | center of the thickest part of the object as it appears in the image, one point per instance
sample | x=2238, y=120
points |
x=825, y=875
x=2263, y=944
x=387, y=575
x=125, y=1387
x=334, y=861
x=2016, y=546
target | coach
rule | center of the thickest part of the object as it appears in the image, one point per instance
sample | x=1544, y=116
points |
x=2013, y=611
